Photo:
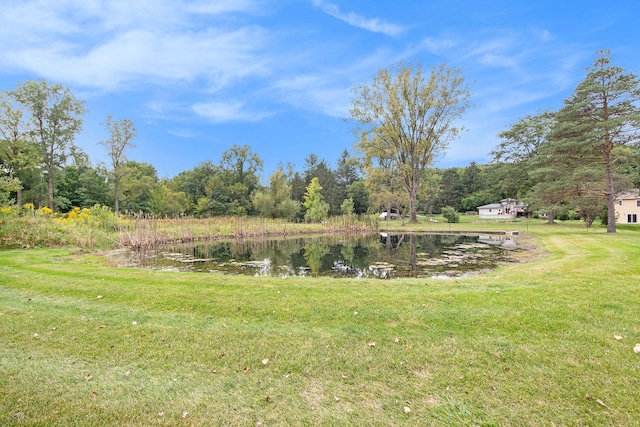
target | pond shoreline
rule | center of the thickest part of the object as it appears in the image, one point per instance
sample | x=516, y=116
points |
x=384, y=254
x=453, y=232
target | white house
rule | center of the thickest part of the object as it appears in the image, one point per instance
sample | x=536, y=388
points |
x=506, y=209
x=628, y=206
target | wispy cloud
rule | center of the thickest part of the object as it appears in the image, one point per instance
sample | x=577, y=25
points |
x=315, y=92
x=182, y=133
x=223, y=112
x=375, y=25
x=103, y=45
x=438, y=46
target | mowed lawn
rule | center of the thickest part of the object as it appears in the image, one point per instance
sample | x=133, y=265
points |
x=548, y=342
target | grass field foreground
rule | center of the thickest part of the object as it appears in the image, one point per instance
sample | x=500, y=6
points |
x=549, y=342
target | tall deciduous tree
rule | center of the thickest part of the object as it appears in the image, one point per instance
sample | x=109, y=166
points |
x=56, y=118
x=383, y=185
x=527, y=145
x=601, y=115
x=138, y=183
x=239, y=168
x=17, y=152
x=409, y=115
x=522, y=140
x=121, y=134
x=275, y=201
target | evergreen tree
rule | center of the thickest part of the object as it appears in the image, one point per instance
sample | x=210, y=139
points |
x=601, y=115
x=317, y=208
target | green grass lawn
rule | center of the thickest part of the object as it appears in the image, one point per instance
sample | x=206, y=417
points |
x=82, y=343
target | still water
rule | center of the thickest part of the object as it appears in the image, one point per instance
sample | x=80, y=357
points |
x=379, y=255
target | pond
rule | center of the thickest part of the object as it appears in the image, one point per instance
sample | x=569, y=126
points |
x=381, y=255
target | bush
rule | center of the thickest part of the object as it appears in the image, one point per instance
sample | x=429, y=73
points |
x=450, y=214
x=28, y=227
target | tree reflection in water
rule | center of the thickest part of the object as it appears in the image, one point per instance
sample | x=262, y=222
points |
x=400, y=255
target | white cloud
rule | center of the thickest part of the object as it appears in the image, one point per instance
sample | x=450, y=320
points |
x=223, y=6
x=438, y=46
x=182, y=133
x=108, y=45
x=375, y=25
x=543, y=35
x=222, y=112
x=140, y=55
x=314, y=92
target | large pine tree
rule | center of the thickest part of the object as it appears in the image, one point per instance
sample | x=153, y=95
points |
x=601, y=116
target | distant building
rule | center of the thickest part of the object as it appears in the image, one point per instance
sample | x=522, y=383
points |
x=507, y=208
x=627, y=206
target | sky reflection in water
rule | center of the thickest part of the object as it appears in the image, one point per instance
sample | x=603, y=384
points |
x=376, y=255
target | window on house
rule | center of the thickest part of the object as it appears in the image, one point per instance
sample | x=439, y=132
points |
x=638, y=203
x=632, y=218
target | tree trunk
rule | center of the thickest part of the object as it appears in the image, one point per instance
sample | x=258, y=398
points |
x=550, y=216
x=50, y=187
x=611, y=197
x=413, y=215
x=117, y=208
x=19, y=197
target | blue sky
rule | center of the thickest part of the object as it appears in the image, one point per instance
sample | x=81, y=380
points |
x=197, y=76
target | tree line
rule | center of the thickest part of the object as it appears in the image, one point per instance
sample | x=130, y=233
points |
x=569, y=162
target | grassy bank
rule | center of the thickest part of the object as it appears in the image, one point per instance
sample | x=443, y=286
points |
x=83, y=343
x=98, y=228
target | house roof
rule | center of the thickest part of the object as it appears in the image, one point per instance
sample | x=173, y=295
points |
x=491, y=206
x=633, y=193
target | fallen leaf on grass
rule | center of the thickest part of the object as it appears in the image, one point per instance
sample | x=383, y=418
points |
x=268, y=399
x=265, y=361
x=88, y=377
x=397, y=340
x=94, y=394
x=246, y=369
x=407, y=410
x=598, y=401
x=160, y=414
x=127, y=373
x=618, y=337
x=99, y=296
x=184, y=414
x=372, y=344
x=636, y=349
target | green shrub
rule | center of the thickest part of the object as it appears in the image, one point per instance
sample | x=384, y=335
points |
x=450, y=214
